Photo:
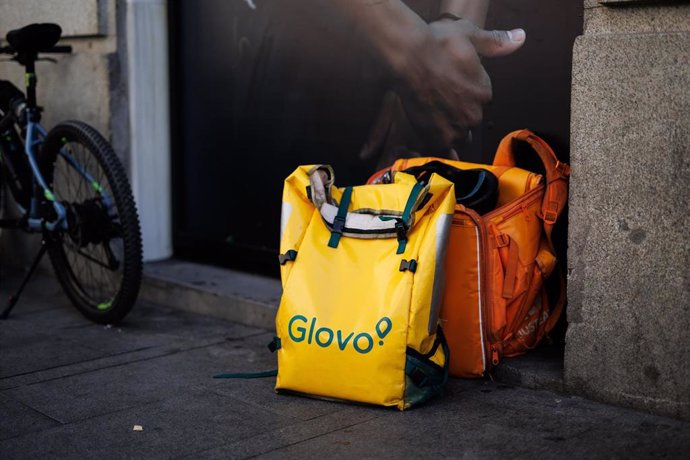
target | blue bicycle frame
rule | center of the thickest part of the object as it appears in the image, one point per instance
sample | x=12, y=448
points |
x=35, y=134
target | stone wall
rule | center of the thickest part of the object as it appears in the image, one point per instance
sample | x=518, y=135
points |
x=628, y=339
x=89, y=85
x=86, y=84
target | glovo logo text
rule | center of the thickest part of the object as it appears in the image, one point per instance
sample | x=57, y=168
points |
x=301, y=329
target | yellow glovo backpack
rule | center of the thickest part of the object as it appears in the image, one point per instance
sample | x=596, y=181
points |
x=362, y=276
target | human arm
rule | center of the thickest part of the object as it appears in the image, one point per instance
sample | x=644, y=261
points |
x=435, y=67
x=472, y=10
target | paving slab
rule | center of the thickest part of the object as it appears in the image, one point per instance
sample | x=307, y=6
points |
x=167, y=431
x=488, y=420
x=18, y=419
x=540, y=369
x=135, y=383
x=45, y=351
x=284, y=438
x=155, y=370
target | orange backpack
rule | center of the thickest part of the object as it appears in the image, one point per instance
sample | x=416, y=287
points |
x=495, y=302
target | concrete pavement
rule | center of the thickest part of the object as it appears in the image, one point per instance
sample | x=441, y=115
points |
x=70, y=388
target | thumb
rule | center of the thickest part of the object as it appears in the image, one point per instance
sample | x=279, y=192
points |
x=494, y=43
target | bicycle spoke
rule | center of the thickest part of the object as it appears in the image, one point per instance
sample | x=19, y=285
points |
x=95, y=268
x=112, y=260
x=97, y=254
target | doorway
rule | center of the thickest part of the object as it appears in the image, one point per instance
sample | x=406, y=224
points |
x=256, y=92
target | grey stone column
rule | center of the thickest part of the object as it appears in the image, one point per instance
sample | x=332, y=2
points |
x=628, y=339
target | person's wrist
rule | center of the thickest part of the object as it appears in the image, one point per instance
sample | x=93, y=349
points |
x=410, y=48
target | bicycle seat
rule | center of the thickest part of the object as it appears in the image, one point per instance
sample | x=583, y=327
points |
x=34, y=38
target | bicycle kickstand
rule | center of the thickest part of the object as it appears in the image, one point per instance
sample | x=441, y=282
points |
x=15, y=297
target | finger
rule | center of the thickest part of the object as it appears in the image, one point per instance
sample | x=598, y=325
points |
x=493, y=43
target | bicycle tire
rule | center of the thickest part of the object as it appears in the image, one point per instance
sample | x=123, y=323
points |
x=103, y=293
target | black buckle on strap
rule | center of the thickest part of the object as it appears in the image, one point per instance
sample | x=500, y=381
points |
x=275, y=344
x=338, y=225
x=289, y=256
x=410, y=265
x=400, y=230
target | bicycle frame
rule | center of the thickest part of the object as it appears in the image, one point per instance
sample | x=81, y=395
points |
x=35, y=134
x=86, y=217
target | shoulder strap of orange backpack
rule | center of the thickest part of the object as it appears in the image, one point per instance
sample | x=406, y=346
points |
x=555, y=197
x=557, y=174
x=558, y=306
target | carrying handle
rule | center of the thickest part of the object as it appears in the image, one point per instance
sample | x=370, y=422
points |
x=358, y=224
x=557, y=174
x=321, y=178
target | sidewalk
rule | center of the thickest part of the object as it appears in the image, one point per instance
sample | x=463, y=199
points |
x=70, y=388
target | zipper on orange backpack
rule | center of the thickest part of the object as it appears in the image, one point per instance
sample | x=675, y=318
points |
x=487, y=313
x=509, y=210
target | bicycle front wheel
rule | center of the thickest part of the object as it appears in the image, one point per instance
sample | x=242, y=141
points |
x=98, y=259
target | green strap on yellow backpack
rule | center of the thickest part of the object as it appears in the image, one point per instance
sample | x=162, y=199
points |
x=247, y=375
x=273, y=346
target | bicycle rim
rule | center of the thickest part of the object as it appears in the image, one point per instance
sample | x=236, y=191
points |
x=98, y=260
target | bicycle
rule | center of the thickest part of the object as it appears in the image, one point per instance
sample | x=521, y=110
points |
x=69, y=186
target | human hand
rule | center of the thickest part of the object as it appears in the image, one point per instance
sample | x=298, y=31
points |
x=441, y=81
x=392, y=137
